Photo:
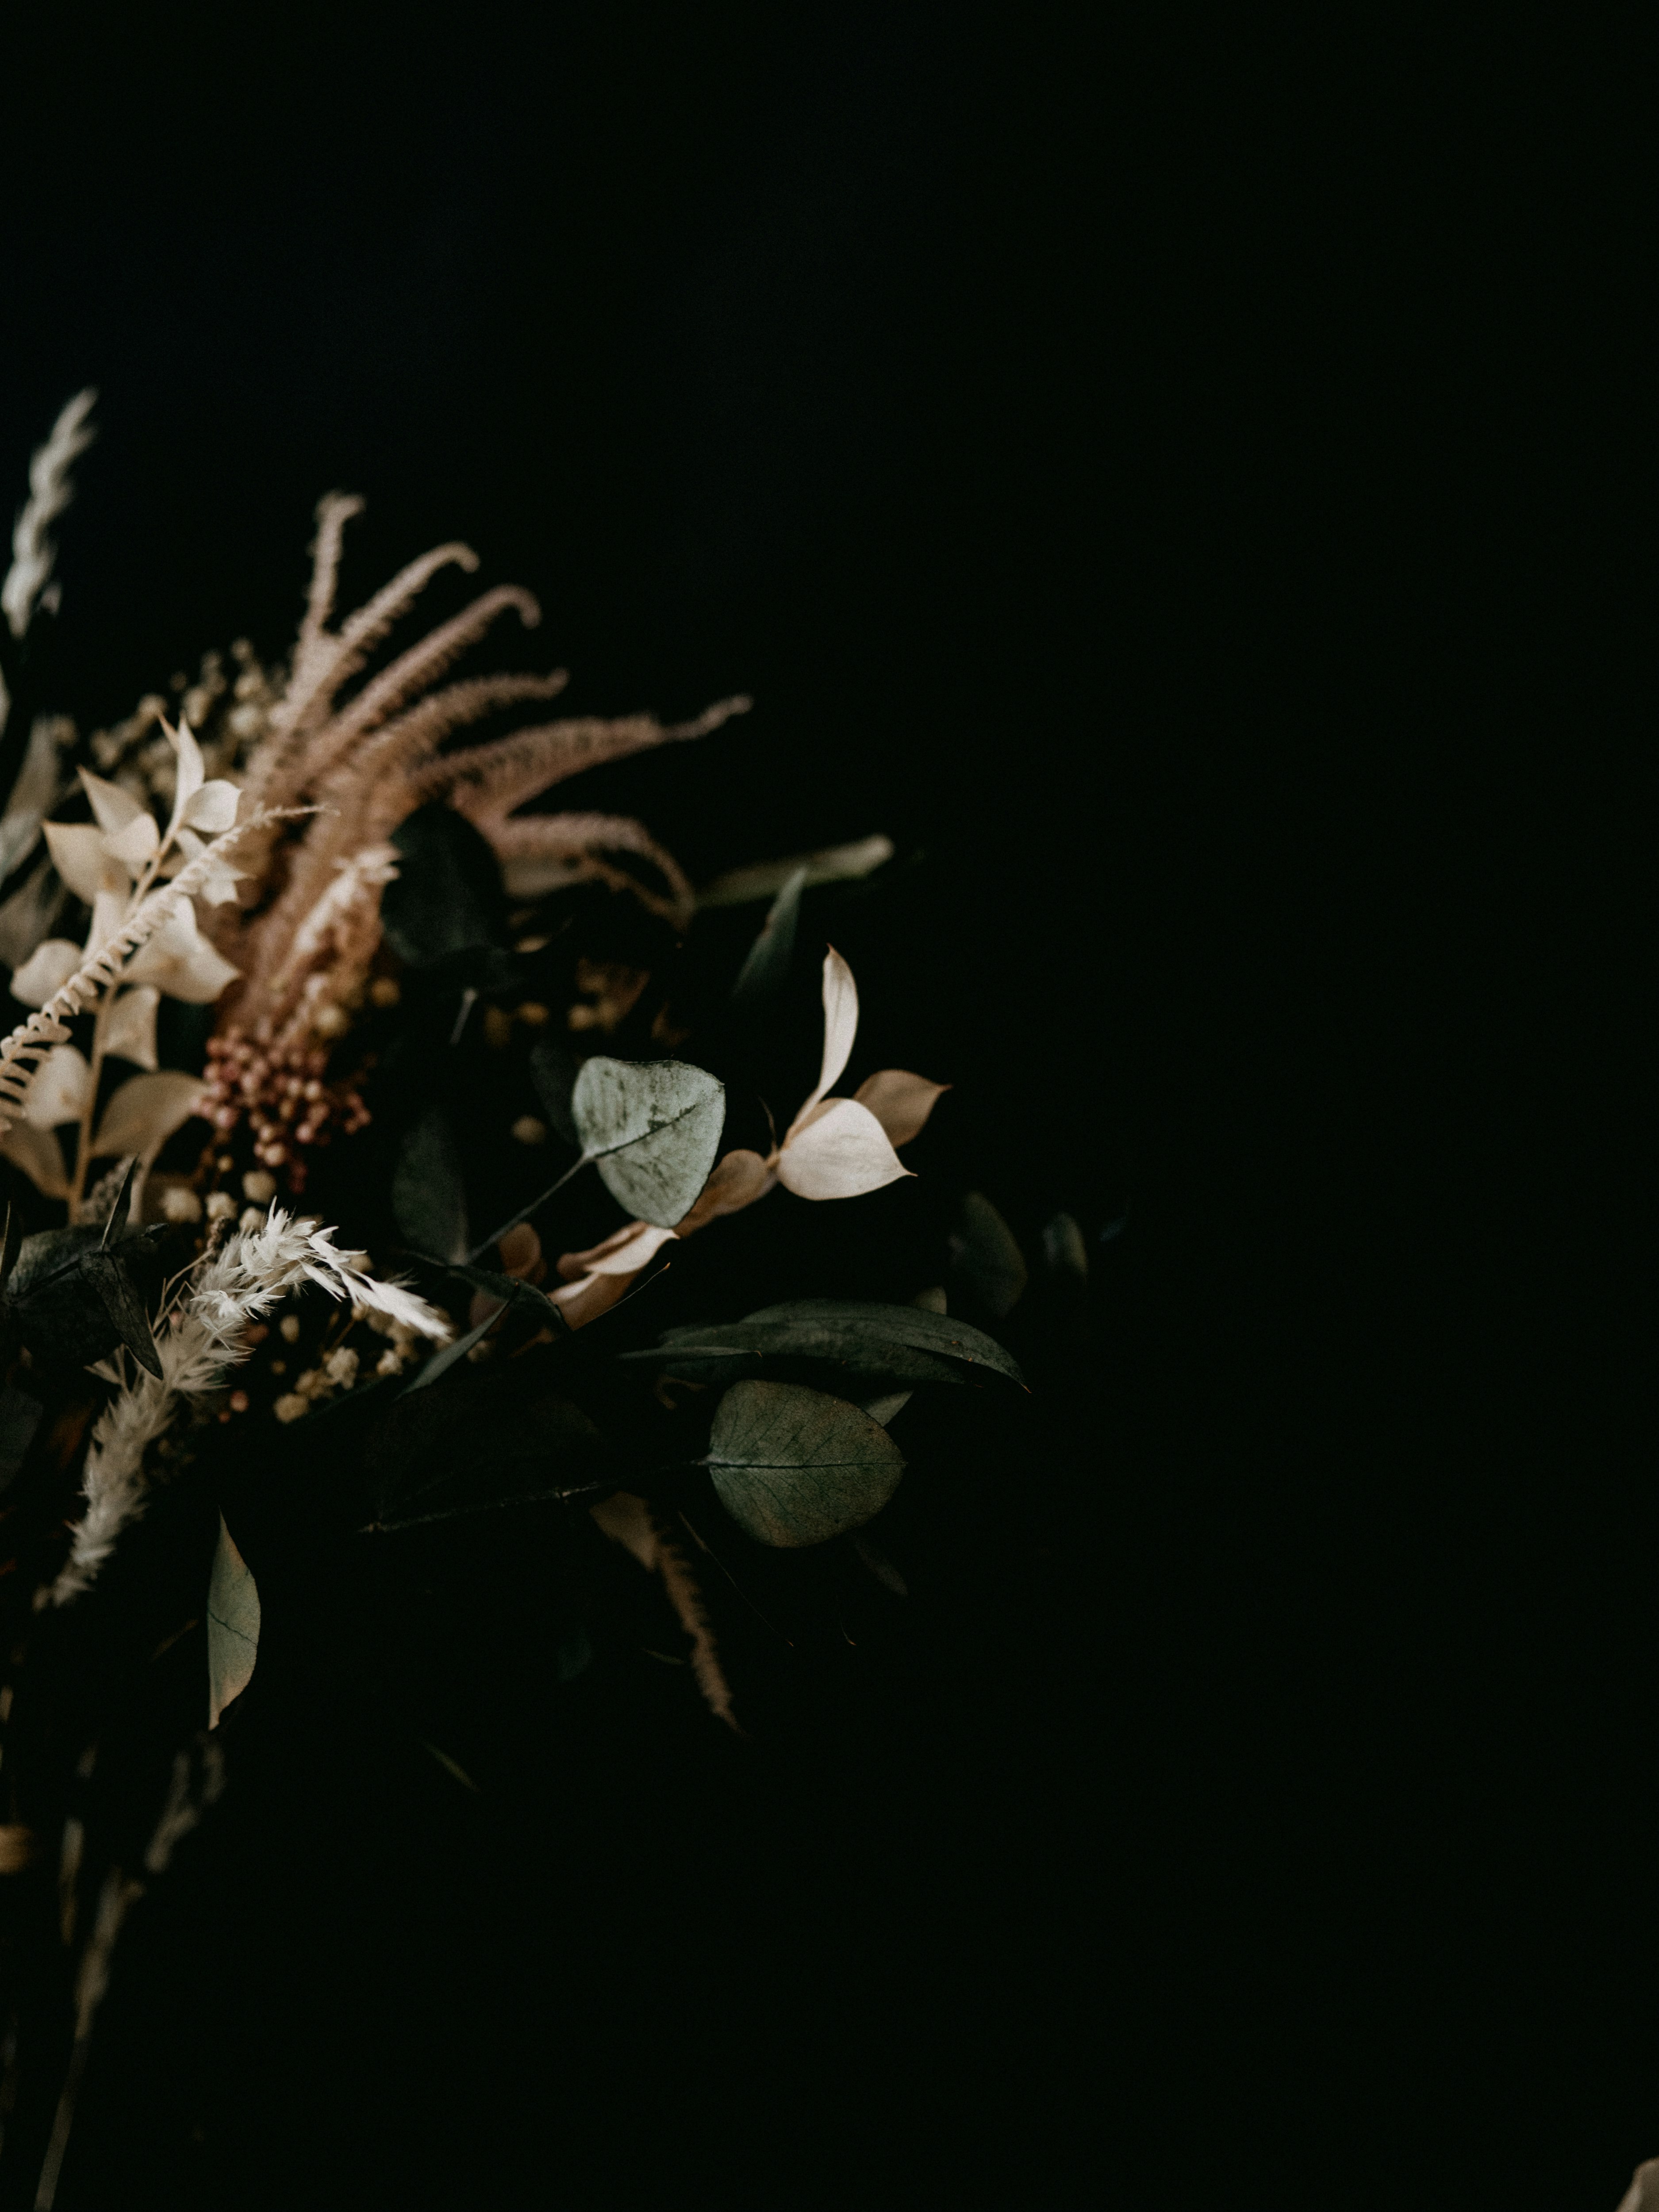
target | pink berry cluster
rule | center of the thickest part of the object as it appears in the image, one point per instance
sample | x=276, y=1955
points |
x=282, y=1091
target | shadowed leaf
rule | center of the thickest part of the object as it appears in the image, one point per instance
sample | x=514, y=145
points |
x=983, y=1247
x=428, y=1191
x=232, y=1625
x=795, y=1467
x=766, y=970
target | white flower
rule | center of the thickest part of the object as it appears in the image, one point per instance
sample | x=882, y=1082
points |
x=60, y=1089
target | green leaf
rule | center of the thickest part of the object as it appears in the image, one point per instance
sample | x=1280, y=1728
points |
x=553, y=1070
x=124, y=1305
x=653, y=1128
x=860, y=1354
x=940, y=1334
x=232, y=1625
x=477, y=1445
x=447, y=896
x=429, y=1189
x=767, y=968
x=984, y=1248
x=795, y=1467
x=20, y=1417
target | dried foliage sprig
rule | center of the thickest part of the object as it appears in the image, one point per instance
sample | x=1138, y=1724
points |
x=230, y=1290
x=32, y=1040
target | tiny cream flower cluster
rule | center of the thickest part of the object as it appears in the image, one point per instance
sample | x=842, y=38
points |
x=339, y=1370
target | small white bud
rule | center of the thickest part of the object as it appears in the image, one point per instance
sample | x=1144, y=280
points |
x=289, y=1328
x=221, y=1205
x=181, y=1203
x=259, y=1186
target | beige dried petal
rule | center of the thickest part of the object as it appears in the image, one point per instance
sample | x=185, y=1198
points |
x=46, y=971
x=740, y=1179
x=60, y=1091
x=130, y=1033
x=844, y=1153
x=900, y=1102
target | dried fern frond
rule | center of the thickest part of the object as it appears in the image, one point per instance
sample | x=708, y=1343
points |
x=369, y=761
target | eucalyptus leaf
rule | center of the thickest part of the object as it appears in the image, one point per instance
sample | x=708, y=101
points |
x=795, y=1467
x=653, y=1128
x=766, y=970
x=860, y=1352
x=984, y=1248
x=937, y=1333
x=428, y=1188
x=232, y=1625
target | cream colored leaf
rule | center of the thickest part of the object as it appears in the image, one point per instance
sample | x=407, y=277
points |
x=181, y=961
x=79, y=853
x=220, y=887
x=39, y=1155
x=144, y=1113
x=130, y=1033
x=47, y=970
x=190, y=769
x=59, y=1091
x=113, y=809
x=632, y=1253
x=110, y=907
x=842, y=1152
x=232, y=1625
x=841, y=1021
x=137, y=845
x=900, y=1102
x=213, y=808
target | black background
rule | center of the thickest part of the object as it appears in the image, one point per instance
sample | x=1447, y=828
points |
x=1182, y=478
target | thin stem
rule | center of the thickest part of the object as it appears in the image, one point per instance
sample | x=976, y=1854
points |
x=83, y=1146
x=525, y=1212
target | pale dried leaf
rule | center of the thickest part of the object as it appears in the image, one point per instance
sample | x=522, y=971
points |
x=900, y=1102
x=136, y=845
x=60, y=1089
x=232, y=1625
x=39, y=1155
x=841, y=1021
x=595, y=1294
x=213, y=808
x=79, y=854
x=113, y=809
x=738, y=1181
x=795, y=1467
x=144, y=1113
x=179, y=959
x=192, y=768
x=627, y=1520
x=842, y=1152
x=130, y=1031
x=46, y=971
x=834, y=864
x=33, y=793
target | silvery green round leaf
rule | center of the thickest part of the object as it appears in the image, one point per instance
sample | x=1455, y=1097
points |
x=654, y=1127
x=795, y=1467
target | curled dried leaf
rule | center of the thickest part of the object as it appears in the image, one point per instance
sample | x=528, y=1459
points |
x=900, y=1102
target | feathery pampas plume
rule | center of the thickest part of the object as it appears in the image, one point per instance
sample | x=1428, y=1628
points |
x=234, y=1288
x=50, y=492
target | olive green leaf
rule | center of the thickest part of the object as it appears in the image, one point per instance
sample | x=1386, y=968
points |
x=795, y=1467
x=984, y=1248
x=232, y=1625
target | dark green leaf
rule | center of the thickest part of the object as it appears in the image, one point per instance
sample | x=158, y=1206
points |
x=941, y=1334
x=20, y=1417
x=429, y=1189
x=984, y=1248
x=11, y=1245
x=124, y=1305
x=447, y=897
x=795, y=1467
x=859, y=1352
x=478, y=1445
x=767, y=968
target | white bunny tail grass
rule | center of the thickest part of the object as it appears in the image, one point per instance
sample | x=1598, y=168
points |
x=207, y=1332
